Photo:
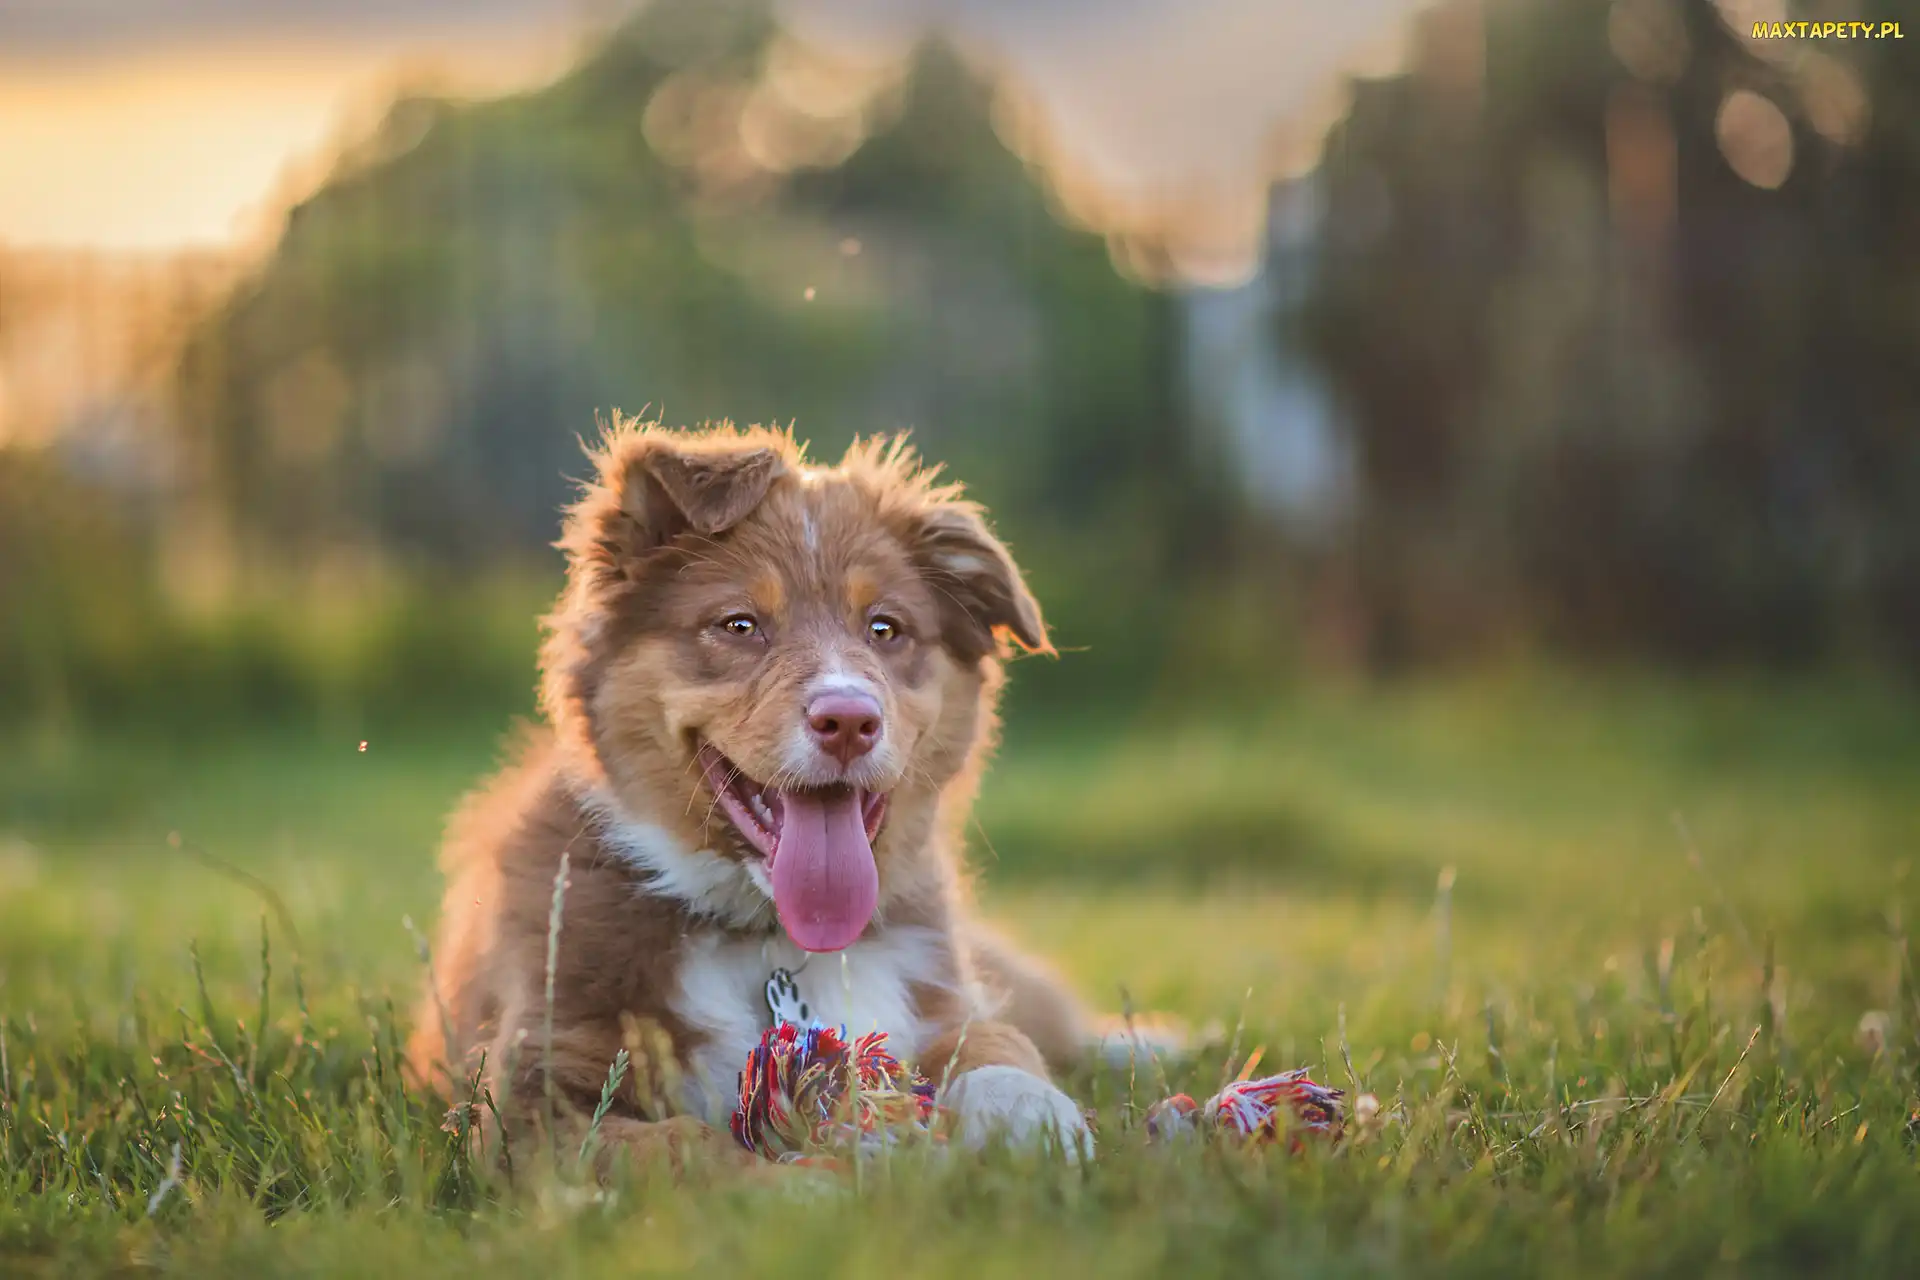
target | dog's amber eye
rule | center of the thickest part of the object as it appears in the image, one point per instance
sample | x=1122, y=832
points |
x=884, y=630
x=740, y=625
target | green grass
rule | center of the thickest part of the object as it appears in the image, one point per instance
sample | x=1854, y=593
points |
x=1623, y=1042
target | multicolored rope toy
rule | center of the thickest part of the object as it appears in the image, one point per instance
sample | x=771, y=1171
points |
x=794, y=1094
x=1257, y=1111
x=795, y=1104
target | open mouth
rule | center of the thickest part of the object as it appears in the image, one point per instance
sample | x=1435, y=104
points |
x=818, y=843
x=759, y=811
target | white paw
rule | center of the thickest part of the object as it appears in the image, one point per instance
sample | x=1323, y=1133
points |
x=1019, y=1107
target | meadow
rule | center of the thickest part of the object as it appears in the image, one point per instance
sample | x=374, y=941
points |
x=1623, y=957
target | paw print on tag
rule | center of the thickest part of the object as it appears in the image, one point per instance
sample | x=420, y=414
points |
x=783, y=999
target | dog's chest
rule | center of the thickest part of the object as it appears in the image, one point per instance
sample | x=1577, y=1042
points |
x=723, y=993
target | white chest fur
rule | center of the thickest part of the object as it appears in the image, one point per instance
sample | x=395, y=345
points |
x=867, y=987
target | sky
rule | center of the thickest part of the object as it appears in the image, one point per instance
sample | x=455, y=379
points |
x=165, y=124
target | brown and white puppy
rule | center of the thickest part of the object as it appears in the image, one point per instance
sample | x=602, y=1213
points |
x=770, y=689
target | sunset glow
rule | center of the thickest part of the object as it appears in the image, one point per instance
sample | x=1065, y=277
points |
x=165, y=140
x=175, y=147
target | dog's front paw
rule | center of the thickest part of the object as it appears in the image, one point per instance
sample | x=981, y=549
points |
x=1018, y=1106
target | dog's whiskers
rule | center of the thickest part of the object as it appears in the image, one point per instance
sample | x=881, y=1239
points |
x=733, y=776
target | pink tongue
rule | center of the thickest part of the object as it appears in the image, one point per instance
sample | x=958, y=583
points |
x=824, y=880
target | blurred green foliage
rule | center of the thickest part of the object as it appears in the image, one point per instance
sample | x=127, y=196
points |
x=380, y=423
x=408, y=376
x=89, y=636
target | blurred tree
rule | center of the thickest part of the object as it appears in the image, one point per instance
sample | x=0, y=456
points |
x=1625, y=323
x=708, y=218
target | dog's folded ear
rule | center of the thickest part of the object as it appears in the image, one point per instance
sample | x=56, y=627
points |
x=982, y=595
x=655, y=485
x=710, y=490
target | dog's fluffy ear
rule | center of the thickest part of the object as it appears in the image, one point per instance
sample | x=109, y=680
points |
x=710, y=489
x=655, y=485
x=982, y=596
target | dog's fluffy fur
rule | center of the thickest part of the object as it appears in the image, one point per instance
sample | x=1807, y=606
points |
x=867, y=574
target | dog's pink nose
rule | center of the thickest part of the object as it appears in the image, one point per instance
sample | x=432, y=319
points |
x=844, y=725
